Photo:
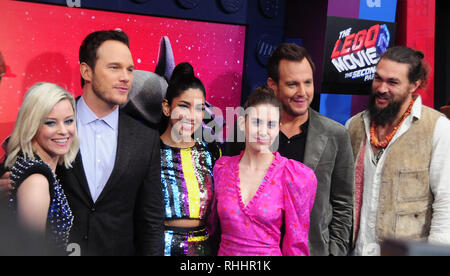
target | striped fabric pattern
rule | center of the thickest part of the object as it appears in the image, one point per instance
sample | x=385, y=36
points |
x=186, y=177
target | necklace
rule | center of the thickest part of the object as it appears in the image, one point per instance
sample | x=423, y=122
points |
x=383, y=144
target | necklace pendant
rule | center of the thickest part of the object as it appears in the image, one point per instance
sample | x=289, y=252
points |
x=378, y=156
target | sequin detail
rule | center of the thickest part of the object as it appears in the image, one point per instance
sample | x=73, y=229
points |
x=186, y=177
x=192, y=185
x=59, y=217
x=186, y=242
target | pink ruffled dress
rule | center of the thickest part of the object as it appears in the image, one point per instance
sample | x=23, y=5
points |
x=284, y=198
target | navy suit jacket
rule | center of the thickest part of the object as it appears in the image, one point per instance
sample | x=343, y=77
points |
x=127, y=218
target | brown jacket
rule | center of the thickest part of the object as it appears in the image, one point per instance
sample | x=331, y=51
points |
x=405, y=202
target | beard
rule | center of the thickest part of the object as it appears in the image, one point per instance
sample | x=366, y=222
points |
x=107, y=97
x=383, y=116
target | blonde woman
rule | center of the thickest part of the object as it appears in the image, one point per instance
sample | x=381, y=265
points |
x=43, y=137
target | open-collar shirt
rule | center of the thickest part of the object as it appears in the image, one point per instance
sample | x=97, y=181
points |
x=98, y=145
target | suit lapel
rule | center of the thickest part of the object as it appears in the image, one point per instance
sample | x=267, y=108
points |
x=315, y=141
x=124, y=149
x=78, y=172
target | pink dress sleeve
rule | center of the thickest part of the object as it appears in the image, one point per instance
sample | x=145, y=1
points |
x=299, y=187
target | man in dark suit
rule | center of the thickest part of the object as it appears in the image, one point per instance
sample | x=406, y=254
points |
x=320, y=143
x=114, y=187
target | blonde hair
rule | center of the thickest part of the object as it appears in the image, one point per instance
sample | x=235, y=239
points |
x=38, y=103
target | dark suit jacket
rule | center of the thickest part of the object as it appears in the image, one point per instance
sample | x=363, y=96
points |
x=328, y=152
x=127, y=218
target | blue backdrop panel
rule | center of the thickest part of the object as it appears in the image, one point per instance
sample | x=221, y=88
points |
x=382, y=10
x=336, y=106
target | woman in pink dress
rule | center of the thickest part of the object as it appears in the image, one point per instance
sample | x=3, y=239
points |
x=262, y=200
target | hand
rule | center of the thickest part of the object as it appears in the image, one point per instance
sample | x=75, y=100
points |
x=5, y=184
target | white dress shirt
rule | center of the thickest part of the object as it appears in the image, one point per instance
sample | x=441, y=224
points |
x=366, y=244
x=98, y=145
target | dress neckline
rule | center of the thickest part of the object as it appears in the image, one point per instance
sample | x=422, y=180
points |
x=164, y=145
x=267, y=176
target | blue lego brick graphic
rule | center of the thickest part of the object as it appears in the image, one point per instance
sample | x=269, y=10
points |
x=380, y=10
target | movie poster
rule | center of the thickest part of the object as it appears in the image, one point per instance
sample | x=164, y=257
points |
x=352, y=51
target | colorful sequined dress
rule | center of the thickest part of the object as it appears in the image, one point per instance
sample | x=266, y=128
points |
x=186, y=178
x=284, y=200
x=59, y=217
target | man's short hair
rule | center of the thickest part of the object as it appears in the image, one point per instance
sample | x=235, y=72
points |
x=287, y=51
x=414, y=59
x=90, y=45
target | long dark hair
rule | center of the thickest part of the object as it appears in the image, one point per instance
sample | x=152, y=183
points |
x=418, y=69
x=182, y=79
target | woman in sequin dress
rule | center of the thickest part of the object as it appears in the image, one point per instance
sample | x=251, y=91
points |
x=43, y=137
x=262, y=199
x=186, y=166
